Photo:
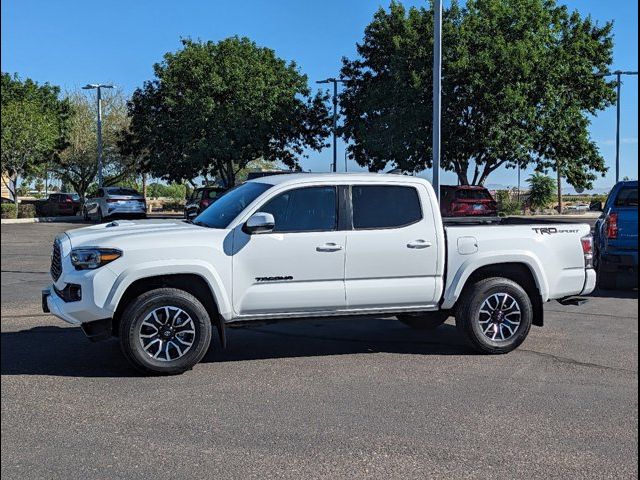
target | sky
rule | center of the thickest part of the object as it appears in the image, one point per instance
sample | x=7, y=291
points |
x=71, y=43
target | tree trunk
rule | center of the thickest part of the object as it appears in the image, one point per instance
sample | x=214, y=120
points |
x=144, y=185
x=15, y=191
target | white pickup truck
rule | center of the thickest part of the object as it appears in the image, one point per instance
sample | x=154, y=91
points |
x=311, y=245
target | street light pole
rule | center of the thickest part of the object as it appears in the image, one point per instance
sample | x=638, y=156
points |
x=335, y=81
x=619, y=91
x=437, y=91
x=618, y=74
x=99, y=87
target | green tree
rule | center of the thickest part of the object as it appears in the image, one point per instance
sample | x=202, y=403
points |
x=33, y=127
x=214, y=107
x=519, y=87
x=542, y=189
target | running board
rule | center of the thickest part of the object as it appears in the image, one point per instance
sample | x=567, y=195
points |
x=575, y=301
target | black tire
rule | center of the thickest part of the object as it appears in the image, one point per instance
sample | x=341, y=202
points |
x=136, y=313
x=468, y=315
x=423, y=320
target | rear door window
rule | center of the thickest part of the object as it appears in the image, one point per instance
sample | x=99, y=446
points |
x=384, y=206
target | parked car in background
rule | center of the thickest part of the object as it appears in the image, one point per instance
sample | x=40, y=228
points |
x=56, y=205
x=110, y=202
x=616, y=238
x=200, y=199
x=467, y=201
x=577, y=208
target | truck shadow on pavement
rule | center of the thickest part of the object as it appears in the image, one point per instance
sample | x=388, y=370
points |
x=629, y=293
x=58, y=351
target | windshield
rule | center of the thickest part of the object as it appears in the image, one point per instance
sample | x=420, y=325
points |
x=229, y=205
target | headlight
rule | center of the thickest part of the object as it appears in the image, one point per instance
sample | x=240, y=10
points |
x=90, y=258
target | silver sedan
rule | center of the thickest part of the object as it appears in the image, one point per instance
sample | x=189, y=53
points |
x=110, y=202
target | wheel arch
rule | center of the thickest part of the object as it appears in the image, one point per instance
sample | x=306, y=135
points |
x=519, y=272
x=192, y=283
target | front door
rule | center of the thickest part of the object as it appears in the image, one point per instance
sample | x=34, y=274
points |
x=297, y=267
x=392, y=250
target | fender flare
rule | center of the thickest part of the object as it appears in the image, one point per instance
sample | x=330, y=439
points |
x=171, y=267
x=458, y=281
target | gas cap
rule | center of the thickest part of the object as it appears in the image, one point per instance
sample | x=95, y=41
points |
x=467, y=245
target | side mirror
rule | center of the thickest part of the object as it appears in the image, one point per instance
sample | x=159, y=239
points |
x=259, y=222
x=596, y=207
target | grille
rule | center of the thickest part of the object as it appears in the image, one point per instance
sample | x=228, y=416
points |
x=56, y=262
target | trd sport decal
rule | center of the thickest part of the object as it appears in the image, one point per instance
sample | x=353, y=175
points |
x=551, y=230
x=274, y=279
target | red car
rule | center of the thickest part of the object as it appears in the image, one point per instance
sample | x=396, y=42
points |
x=58, y=204
x=467, y=201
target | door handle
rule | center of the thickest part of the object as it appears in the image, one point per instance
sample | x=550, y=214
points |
x=329, y=247
x=419, y=244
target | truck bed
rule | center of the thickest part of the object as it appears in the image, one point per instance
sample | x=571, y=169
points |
x=474, y=221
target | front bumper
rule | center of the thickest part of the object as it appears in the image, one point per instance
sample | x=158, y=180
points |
x=52, y=303
x=93, y=287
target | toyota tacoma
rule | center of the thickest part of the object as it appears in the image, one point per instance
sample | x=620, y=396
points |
x=311, y=245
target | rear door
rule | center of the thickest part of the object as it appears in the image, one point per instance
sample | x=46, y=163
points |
x=392, y=251
x=299, y=266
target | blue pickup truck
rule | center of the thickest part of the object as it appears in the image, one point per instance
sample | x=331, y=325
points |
x=616, y=238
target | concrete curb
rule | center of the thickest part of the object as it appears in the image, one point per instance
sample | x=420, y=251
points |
x=74, y=219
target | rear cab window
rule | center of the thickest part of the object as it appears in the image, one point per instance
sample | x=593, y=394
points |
x=627, y=197
x=473, y=194
x=122, y=191
x=384, y=206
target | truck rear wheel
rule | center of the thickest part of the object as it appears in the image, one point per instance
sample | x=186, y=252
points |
x=423, y=320
x=165, y=332
x=495, y=314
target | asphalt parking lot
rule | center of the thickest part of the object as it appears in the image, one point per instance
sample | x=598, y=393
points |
x=318, y=399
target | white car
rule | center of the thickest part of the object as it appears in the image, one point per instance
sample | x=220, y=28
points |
x=311, y=245
x=115, y=201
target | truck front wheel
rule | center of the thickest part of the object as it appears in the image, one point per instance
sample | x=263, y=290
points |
x=165, y=331
x=495, y=314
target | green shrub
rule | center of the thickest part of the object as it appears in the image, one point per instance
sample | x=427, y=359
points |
x=174, y=191
x=507, y=203
x=8, y=210
x=542, y=190
x=26, y=211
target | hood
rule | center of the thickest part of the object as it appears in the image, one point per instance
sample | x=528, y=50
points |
x=117, y=233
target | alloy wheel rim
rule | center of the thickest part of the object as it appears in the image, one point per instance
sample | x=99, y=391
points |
x=167, y=333
x=500, y=317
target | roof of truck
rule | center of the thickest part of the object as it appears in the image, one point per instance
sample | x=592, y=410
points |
x=337, y=177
